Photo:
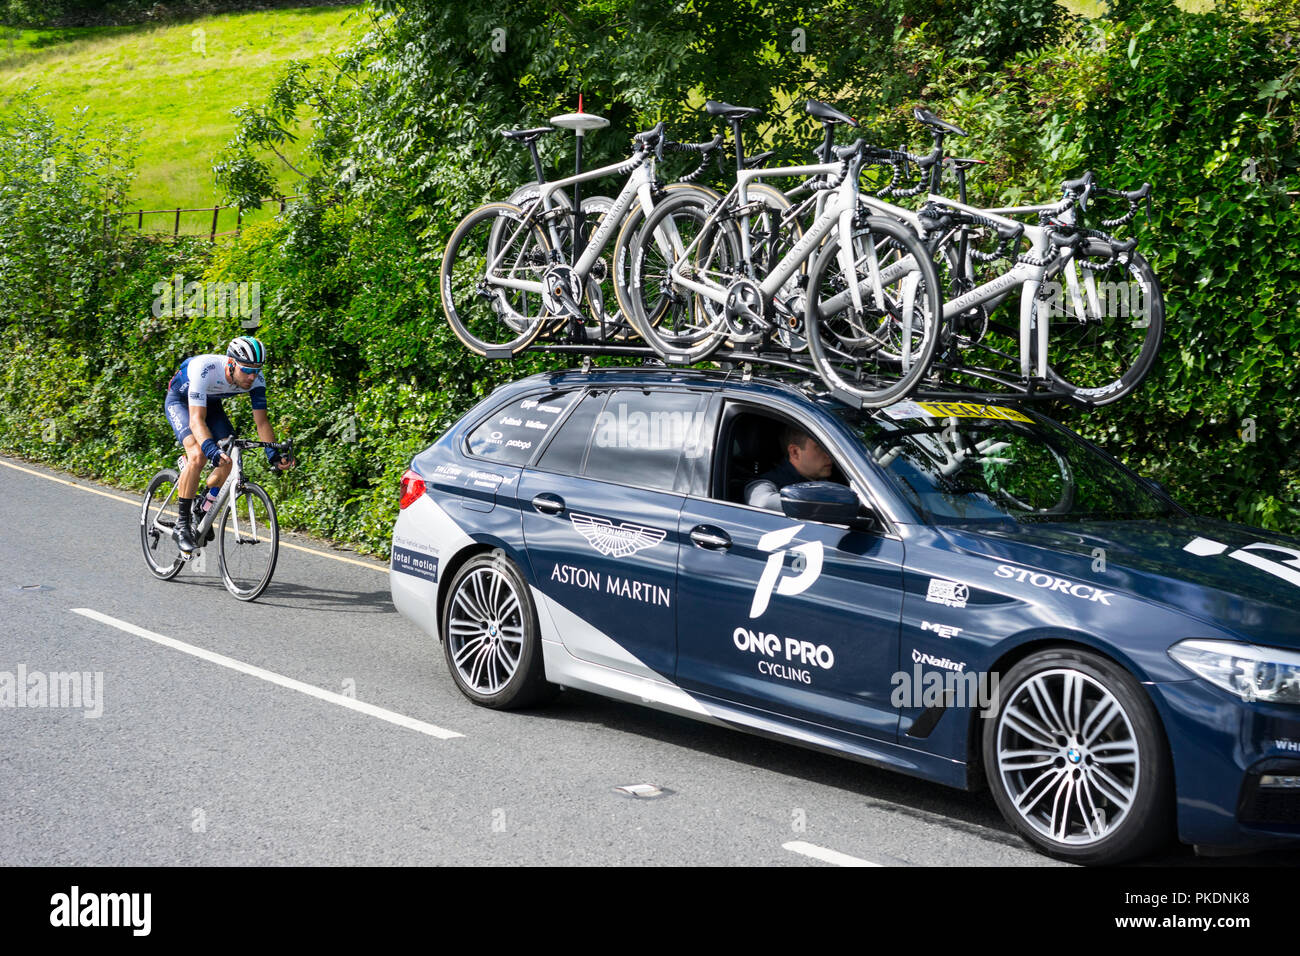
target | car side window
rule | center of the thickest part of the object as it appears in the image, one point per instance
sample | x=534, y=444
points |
x=567, y=451
x=753, y=447
x=642, y=437
x=513, y=432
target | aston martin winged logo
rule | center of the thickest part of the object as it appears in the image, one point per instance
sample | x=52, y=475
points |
x=619, y=540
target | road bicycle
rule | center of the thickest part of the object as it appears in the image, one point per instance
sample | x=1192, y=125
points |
x=506, y=277
x=248, y=534
x=871, y=345
x=662, y=303
x=1091, y=312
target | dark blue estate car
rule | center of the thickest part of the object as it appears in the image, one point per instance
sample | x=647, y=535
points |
x=976, y=597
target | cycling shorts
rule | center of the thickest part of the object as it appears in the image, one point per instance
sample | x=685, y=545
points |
x=178, y=416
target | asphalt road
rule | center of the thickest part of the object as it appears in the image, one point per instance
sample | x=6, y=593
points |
x=315, y=726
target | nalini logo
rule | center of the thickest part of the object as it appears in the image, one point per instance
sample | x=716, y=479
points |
x=75, y=909
x=807, y=563
x=1287, y=569
x=617, y=541
x=920, y=657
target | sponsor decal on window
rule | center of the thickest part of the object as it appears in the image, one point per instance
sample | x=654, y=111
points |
x=531, y=404
x=903, y=410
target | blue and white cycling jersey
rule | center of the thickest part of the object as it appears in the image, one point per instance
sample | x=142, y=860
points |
x=204, y=376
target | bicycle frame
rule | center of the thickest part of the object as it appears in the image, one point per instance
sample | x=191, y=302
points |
x=1026, y=276
x=837, y=211
x=228, y=487
x=639, y=187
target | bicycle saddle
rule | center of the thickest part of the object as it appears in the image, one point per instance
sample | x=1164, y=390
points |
x=829, y=115
x=527, y=135
x=727, y=110
x=926, y=118
x=964, y=162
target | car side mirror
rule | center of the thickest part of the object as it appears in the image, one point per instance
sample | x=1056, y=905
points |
x=824, y=501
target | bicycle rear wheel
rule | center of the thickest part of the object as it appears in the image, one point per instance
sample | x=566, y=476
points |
x=158, y=517
x=1103, y=358
x=878, y=355
x=250, y=542
x=495, y=244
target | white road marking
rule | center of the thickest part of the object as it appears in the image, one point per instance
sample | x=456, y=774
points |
x=825, y=855
x=382, y=569
x=70, y=484
x=401, y=720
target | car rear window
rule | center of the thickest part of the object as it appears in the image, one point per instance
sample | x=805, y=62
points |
x=567, y=452
x=513, y=432
x=641, y=437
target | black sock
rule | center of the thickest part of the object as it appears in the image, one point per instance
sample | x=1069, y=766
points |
x=185, y=506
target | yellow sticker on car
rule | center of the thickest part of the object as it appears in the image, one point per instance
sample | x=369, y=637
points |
x=955, y=410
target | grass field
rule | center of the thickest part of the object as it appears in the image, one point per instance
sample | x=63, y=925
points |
x=175, y=84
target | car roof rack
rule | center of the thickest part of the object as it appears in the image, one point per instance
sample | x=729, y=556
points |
x=789, y=369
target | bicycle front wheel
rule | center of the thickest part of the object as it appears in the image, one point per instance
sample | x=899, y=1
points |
x=250, y=542
x=158, y=517
x=491, y=280
x=686, y=330
x=1104, y=356
x=633, y=220
x=875, y=355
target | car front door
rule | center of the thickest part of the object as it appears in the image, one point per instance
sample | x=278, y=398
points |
x=796, y=618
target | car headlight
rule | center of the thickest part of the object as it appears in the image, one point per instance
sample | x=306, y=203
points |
x=1267, y=674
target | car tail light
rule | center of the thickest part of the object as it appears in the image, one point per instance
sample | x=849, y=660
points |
x=412, y=487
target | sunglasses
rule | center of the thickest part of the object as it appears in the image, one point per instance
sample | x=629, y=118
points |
x=248, y=371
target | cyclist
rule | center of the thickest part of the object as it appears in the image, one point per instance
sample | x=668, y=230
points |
x=194, y=411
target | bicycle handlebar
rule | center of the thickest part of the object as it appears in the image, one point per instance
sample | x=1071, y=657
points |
x=1061, y=241
x=651, y=137
x=708, y=147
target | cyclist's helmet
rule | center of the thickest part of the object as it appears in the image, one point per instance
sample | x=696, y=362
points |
x=247, y=350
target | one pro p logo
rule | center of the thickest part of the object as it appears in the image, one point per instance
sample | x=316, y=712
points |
x=807, y=567
x=1288, y=569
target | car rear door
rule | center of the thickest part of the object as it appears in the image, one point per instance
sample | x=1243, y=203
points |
x=600, y=517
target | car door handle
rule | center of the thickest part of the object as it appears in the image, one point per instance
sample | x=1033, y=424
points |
x=548, y=504
x=707, y=536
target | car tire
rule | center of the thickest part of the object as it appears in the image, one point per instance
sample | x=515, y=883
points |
x=490, y=635
x=1077, y=759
